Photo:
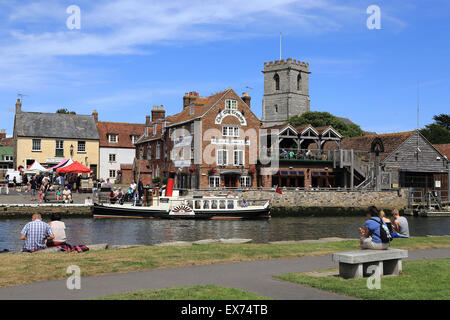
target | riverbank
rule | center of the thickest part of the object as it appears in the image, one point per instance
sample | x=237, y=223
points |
x=17, y=269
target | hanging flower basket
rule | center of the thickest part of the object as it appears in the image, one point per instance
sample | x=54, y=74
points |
x=212, y=171
x=251, y=171
x=191, y=169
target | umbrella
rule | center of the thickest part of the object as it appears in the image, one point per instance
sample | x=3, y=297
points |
x=75, y=167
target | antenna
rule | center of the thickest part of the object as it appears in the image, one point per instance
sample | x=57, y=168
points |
x=249, y=88
x=21, y=95
x=418, y=105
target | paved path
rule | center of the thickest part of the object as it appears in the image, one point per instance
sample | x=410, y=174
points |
x=254, y=276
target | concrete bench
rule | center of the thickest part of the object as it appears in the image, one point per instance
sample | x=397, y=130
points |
x=354, y=264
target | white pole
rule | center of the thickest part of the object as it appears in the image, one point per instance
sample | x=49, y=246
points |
x=280, y=45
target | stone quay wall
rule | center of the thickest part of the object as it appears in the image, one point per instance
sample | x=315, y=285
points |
x=27, y=210
x=323, y=202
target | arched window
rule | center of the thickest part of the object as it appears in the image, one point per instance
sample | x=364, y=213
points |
x=276, y=78
x=299, y=81
x=276, y=108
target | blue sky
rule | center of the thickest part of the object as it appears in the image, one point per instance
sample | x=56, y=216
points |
x=130, y=55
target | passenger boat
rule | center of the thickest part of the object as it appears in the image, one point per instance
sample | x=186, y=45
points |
x=172, y=206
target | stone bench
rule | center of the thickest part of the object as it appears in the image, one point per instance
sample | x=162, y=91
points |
x=355, y=264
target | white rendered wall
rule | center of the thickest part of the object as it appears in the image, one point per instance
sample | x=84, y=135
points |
x=123, y=156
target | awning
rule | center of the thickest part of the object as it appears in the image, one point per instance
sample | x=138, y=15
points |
x=62, y=163
x=75, y=167
x=35, y=168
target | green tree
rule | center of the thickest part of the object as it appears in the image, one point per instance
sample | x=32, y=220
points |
x=439, y=131
x=323, y=119
x=65, y=111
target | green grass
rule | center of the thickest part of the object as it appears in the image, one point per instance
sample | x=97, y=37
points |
x=17, y=269
x=200, y=292
x=421, y=280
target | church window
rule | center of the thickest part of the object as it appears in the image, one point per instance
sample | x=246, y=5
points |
x=276, y=78
x=276, y=108
x=299, y=82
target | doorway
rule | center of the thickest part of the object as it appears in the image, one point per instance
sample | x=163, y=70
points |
x=231, y=180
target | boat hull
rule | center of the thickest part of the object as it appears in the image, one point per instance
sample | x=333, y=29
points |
x=117, y=211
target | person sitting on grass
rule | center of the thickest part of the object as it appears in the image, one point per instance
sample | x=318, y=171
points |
x=387, y=221
x=58, y=228
x=67, y=195
x=371, y=237
x=401, y=226
x=35, y=233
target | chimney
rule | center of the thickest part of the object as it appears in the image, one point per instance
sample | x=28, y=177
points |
x=2, y=134
x=147, y=120
x=18, y=106
x=158, y=114
x=95, y=114
x=246, y=98
x=189, y=98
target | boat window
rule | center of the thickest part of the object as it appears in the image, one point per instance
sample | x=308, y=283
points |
x=214, y=204
x=197, y=204
x=206, y=204
x=230, y=204
x=190, y=204
x=222, y=204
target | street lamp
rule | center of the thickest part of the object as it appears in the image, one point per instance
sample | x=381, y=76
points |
x=71, y=150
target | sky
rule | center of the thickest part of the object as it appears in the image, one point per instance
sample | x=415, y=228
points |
x=130, y=55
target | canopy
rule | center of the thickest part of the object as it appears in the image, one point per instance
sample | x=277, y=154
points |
x=35, y=168
x=60, y=164
x=75, y=167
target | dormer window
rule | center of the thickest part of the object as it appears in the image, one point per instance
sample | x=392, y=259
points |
x=113, y=138
x=134, y=139
x=230, y=104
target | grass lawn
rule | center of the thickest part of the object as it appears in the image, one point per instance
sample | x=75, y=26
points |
x=16, y=269
x=202, y=292
x=421, y=280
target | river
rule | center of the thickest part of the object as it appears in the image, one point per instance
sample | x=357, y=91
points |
x=148, y=232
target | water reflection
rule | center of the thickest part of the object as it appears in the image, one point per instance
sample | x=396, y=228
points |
x=126, y=231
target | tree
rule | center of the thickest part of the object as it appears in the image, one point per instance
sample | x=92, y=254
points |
x=439, y=131
x=65, y=111
x=323, y=119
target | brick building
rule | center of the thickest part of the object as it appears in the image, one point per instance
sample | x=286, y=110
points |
x=212, y=142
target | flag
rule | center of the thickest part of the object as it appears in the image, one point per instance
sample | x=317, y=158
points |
x=278, y=190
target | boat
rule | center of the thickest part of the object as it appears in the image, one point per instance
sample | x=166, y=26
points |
x=172, y=206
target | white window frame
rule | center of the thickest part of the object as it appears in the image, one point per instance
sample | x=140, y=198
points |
x=241, y=158
x=36, y=145
x=246, y=181
x=112, y=155
x=191, y=110
x=112, y=173
x=231, y=104
x=7, y=158
x=113, y=138
x=223, y=159
x=158, y=151
x=230, y=131
x=79, y=144
x=214, y=181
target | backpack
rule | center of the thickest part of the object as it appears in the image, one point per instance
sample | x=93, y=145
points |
x=385, y=235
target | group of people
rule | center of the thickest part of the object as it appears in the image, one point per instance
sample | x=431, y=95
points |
x=39, y=235
x=134, y=192
x=303, y=154
x=41, y=188
x=378, y=230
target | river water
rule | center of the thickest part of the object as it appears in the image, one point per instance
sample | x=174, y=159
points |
x=148, y=232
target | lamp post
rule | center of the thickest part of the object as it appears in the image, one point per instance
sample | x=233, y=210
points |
x=71, y=150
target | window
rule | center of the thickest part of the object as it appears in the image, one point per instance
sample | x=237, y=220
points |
x=149, y=152
x=191, y=129
x=141, y=152
x=231, y=104
x=112, y=157
x=59, y=152
x=155, y=128
x=191, y=110
x=276, y=79
x=158, y=151
x=222, y=158
x=228, y=131
x=238, y=159
x=7, y=158
x=112, y=173
x=214, y=182
x=246, y=181
x=276, y=108
x=81, y=146
x=299, y=82
x=36, y=145
x=134, y=139
x=113, y=138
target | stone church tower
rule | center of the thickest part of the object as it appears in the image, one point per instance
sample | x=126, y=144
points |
x=286, y=90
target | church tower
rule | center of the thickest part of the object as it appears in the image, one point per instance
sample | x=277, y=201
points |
x=286, y=90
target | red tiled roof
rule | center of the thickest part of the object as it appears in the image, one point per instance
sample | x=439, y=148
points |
x=7, y=142
x=444, y=149
x=391, y=142
x=124, y=130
